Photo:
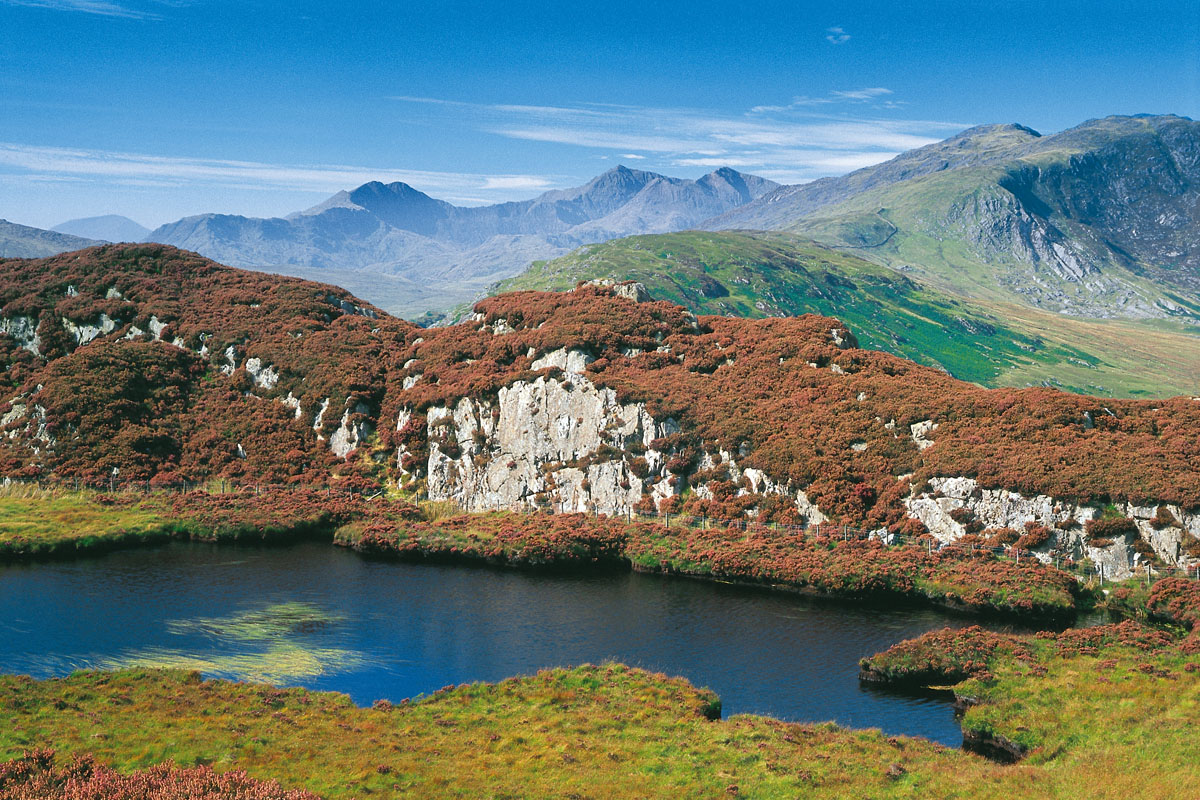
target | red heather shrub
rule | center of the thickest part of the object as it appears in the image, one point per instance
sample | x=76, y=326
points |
x=513, y=539
x=1176, y=599
x=1110, y=528
x=1163, y=518
x=1035, y=536
x=1000, y=537
x=1092, y=641
x=35, y=776
x=277, y=513
x=944, y=657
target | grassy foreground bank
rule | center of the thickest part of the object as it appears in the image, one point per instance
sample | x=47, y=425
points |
x=1109, y=709
x=43, y=524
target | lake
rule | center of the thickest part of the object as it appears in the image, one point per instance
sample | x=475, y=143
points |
x=322, y=617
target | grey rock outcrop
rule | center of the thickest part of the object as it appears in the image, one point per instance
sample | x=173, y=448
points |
x=997, y=508
x=564, y=443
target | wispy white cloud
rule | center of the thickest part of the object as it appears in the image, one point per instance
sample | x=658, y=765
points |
x=836, y=96
x=836, y=36
x=36, y=163
x=789, y=139
x=861, y=95
x=104, y=8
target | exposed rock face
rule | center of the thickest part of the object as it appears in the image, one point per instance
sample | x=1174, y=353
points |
x=35, y=426
x=354, y=430
x=24, y=331
x=87, y=332
x=997, y=508
x=630, y=290
x=562, y=443
x=920, y=433
x=266, y=377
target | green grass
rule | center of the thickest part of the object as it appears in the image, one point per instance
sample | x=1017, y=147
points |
x=267, y=646
x=36, y=520
x=1111, y=708
x=987, y=339
x=593, y=731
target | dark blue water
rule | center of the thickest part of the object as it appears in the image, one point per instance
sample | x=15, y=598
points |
x=317, y=616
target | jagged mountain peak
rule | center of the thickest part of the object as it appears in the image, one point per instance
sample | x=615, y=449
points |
x=399, y=230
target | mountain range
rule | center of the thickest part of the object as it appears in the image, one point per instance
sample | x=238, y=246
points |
x=1101, y=220
x=439, y=254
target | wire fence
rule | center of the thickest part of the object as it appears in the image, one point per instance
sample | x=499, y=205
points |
x=1082, y=567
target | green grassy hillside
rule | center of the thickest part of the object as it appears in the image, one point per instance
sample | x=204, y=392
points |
x=985, y=341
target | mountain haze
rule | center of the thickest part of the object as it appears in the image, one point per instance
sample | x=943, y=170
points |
x=22, y=241
x=108, y=228
x=399, y=231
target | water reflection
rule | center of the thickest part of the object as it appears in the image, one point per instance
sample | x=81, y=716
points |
x=320, y=617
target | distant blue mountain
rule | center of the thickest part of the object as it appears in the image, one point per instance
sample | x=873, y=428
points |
x=108, y=228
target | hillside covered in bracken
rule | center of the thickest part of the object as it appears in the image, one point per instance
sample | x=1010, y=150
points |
x=164, y=366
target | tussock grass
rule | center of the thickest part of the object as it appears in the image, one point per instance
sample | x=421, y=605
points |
x=593, y=731
x=1103, y=720
x=437, y=510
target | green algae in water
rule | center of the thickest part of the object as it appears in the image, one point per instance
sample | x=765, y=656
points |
x=280, y=665
x=277, y=621
x=266, y=645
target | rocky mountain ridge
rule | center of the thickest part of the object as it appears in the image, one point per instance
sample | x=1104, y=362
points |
x=1100, y=220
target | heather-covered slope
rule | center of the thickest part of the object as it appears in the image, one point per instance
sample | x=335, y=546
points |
x=92, y=328
x=777, y=274
x=159, y=363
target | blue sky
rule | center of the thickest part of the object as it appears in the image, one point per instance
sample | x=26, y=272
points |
x=161, y=108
